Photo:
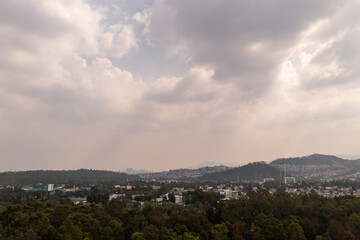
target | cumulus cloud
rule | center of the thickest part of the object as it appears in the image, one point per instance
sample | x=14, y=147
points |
x=55, y=74
x=50, y=68
x=278, y=76
x=243, y=41
x=332, y=59
x=119, y=40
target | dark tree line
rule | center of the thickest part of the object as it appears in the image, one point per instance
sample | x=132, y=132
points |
x=81, y=176
x=258, y=215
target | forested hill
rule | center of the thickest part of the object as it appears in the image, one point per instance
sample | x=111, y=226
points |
x=320, y=167
x=251, y=172
x=315, y=159
x=183, y=174
x=63, y=176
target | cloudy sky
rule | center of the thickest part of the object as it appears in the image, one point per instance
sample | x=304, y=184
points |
x=164, y=84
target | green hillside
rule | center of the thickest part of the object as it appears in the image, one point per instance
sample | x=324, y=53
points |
x=250, y=172
x=64, y=176
x=317, y=159
x=314, y=159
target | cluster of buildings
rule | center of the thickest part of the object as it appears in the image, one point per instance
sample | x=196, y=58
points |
x=183, y=174
x=50, y=187
x=180, y=194
x=328, y=192
x=286, y=180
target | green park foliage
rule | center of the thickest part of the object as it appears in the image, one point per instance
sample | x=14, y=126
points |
x=258, y=215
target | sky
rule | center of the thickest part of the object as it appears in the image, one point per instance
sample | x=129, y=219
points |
x=162, y=84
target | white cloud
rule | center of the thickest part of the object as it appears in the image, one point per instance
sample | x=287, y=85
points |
x=119, y=40
x=243, y=41
x=263, y=80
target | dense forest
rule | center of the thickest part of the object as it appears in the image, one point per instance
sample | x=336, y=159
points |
x=81, y=176
x=317, y=159
x=258, y=215
x=251, y=172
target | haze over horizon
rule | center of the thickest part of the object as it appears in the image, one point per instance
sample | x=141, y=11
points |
x=164, y=84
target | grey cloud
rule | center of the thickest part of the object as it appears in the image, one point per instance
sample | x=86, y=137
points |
x=31, y=18
x=184, y=91
x=345, y=54
x=60, y=104
x=54, y=95
x=220, y=35
x=338, y=63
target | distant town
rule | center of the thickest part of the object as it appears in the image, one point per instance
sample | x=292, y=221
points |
x=327, y=176
x=165, y=191
x=213, y=202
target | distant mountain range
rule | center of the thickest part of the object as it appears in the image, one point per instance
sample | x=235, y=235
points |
x=183, y=173
x=214, y=164
x=313, y=167
x=314, y=159
x=319, y=167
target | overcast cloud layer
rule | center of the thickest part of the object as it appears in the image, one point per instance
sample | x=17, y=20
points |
x=164, y=84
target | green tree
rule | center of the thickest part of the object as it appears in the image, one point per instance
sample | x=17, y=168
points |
x=295, y=232
x=151, y=233
x=220, y=232
x=50, y=234
x=190, y=236
x=97, y=196
x=167, y=234
x=324, y=236
x=256, y=233
x=138, y=236
x=180, y=229
x=355, y=219
x=117, y=228
x=271, y=228
x=239, y=230
x=171, y=197
x=106, y=233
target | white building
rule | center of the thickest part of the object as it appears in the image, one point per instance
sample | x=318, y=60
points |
x=268, y=180
x=178, y=199
x=290, y=180
x=229, y=194
x=112, y=196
